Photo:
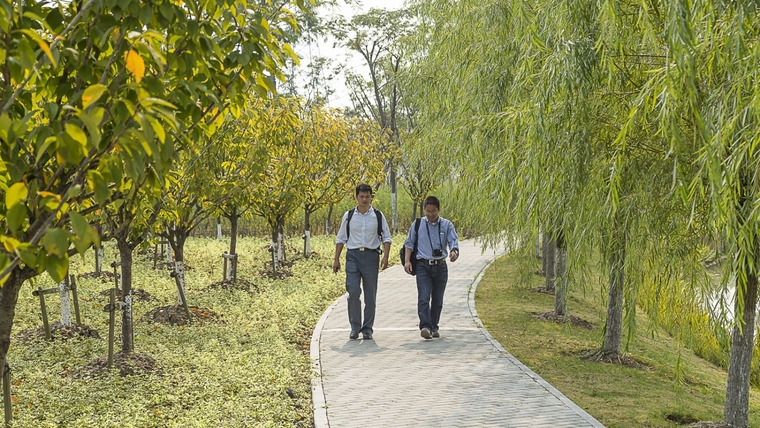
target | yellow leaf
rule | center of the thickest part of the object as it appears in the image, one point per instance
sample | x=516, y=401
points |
x=92, y=94
x=135, y=64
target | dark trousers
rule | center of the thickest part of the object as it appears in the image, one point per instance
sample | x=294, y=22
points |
x=431, y=284
x=361, y=268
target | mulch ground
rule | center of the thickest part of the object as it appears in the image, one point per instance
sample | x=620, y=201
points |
x=138, y=295
x=58, y=332
x=543, y=290
x=563, y=319
x=175, y=315
x=104, y=276
x=127, y=364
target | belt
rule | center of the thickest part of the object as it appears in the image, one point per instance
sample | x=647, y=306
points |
x=432, y=262
x=364, y=249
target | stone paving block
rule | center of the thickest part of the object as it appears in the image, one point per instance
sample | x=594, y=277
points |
x=400, y=380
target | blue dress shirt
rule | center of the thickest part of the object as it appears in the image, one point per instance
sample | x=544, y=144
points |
x=440, y=235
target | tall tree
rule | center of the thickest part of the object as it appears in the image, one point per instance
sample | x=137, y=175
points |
x=377, y=37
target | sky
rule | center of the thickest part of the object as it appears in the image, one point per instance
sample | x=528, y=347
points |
x=324, y=48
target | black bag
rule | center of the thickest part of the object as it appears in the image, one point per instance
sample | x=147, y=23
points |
x=413, y=258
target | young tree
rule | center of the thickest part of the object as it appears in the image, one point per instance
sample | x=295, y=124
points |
x=279, y=132
x=93, y=90
x=338, y=153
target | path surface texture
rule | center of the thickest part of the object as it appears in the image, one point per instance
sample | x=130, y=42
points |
x=465, y=378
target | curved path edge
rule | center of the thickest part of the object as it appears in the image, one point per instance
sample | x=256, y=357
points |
x=538, y=379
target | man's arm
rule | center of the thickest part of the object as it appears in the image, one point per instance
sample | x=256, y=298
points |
x=386, y=251
x=336, y=261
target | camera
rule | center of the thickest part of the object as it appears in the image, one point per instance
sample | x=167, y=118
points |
x=437, y=253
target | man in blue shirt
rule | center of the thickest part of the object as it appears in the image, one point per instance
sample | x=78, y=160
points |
x=437, y=239
x=359, y=233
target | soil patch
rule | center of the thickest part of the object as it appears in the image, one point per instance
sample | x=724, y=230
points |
x=614, y=358
x=138, y=295
x=562, y=319
x=175, y=315
x=280, y=274
x=104, y=276
x=709, y=424
x=239, y=285
x=543, y=290
x=58, y=332
x=127, y=365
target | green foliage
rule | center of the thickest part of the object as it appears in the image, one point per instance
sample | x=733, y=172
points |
x=230, y=374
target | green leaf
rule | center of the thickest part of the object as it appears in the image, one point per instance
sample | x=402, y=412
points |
x=76, y=134
x=16, y=193
x=16, y=216
x=57, y=267
x=92, y=94
x=56, y=242
x=81, y=228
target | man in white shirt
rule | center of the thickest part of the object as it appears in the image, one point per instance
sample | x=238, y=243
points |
x=362, y=230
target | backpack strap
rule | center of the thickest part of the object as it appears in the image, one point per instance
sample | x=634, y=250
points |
x=416, y=230
x=379, y=215
x=348, y=223
x=379, y=225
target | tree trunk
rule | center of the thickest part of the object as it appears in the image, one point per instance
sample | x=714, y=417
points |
x=307, y=233
x=219, y=228
x=273, y=248
x=394, y=200
x=233, y=232
x=169, y=251
x=179, y=263
x=127, y=337
x=280, y=240
x=63, y=291
x=99, y=255
x=327, y=221
x=551, y=246
x=545, y=252
x=736, y=410
x=8, y=299
x=560, y=267
x=614, y=329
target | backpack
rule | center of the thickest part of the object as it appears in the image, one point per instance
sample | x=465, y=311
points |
x=379, y=224
x=413, y=257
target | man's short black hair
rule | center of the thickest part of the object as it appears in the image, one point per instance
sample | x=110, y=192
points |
x=363, y=188
x=431, y=200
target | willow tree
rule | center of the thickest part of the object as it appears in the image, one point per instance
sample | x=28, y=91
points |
x=541, y=106
x=708, y=86
x=92, y=89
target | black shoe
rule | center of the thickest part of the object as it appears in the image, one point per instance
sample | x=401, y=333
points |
x=353, y=335
x=425, y=332
x=436, y=334
x=367, y=336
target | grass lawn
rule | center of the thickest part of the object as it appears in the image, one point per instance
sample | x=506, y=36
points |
x=666, y=394
x=237, y=371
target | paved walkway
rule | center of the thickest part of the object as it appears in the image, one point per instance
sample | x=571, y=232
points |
x=463, y=379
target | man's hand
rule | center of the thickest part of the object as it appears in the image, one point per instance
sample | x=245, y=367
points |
x=384, y=262
x=408, y=267
x=336, y=266
x=454, y=255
